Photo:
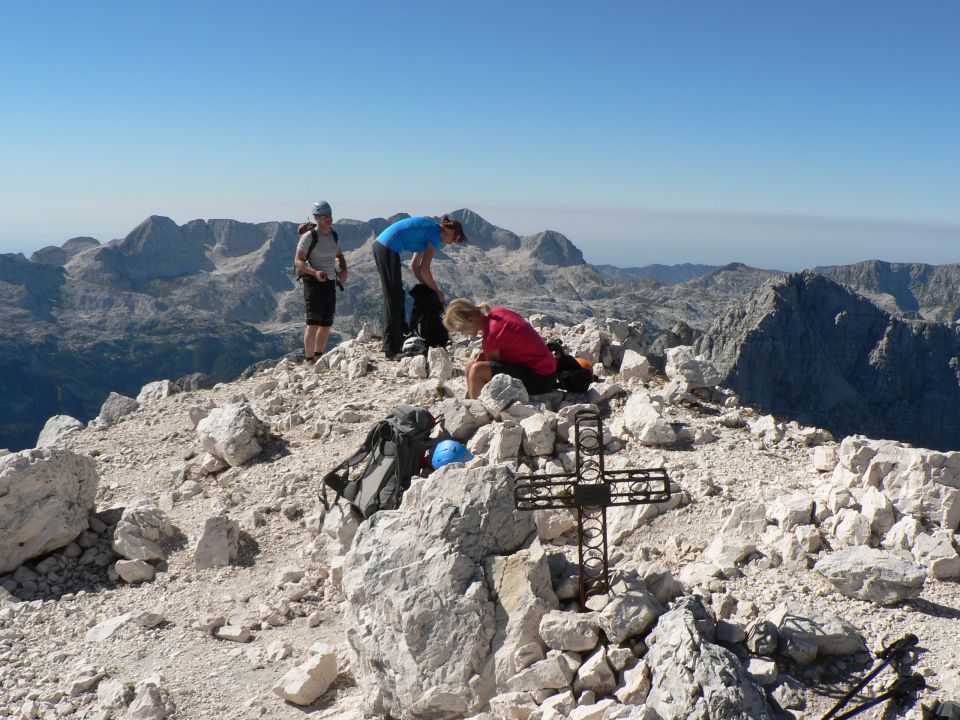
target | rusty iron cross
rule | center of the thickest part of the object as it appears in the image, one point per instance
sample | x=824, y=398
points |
x=591, y=489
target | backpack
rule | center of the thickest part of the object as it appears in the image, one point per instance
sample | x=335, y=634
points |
x=395, y=449
x=571, y=375
x=314, y=236
x=426, y=317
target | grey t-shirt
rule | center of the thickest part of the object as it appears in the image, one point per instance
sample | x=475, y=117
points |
x=324, y=253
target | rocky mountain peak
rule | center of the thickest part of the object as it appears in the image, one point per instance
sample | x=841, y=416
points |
x=181, y=531
x=484, y=235
x=806, y=347
x=53, y=255
x=158, y=249
x=552, y=248
x=914, y=290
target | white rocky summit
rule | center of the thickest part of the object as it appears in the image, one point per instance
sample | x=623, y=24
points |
x=174, y=560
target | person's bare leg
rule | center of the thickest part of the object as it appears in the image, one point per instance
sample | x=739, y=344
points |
x=320, y=342
x=310, y=339
x=478, y=375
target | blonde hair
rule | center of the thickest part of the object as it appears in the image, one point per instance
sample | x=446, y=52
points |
x=461, y=312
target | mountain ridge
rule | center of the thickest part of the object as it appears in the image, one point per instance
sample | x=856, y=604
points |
x=72, y=316
x=808, y=348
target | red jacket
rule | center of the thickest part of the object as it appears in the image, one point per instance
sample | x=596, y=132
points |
x=517, y=341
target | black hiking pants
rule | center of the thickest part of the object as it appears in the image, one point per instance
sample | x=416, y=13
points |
x=394, y=299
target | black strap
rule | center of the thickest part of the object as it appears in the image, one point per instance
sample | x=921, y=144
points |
x=315, y=236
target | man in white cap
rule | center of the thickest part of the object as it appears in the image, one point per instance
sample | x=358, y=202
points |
x=317, y=260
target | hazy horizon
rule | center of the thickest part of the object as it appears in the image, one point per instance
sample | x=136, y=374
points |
x=777, y=135
x=770, y=241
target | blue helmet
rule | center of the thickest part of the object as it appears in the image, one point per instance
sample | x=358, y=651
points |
x=449, y=451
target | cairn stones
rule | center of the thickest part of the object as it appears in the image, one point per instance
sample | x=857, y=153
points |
x=694, y=678
x=410, y=657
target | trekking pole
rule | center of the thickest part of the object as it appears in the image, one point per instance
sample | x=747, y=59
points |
x=895, y=651
x=899, y=690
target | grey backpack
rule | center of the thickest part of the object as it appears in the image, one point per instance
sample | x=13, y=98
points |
x=375, y=476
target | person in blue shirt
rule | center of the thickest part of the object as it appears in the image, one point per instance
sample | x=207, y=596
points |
x=423, y=237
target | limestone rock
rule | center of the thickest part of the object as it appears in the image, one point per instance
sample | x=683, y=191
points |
x=595, y=674
x=103, y=630
x=554, y=672
x=694, y=678
x=512, y=706
x=825, y=458
x=440, y=365
x=567, y=418
x=634, y=366
x=635, y=686
x=218, y=545
x=552, y=524
x=937, y=553
x=521, y=584
x=155, y=391
x=462, y=418
x=419, y=616
x=501, y=392
x=133, y=571
x=806, y=633
x=790, y=511
x=46, y=496
x=538, y=435
x=115, y=407
x=234, y=433
x=872, y=575
x=569, y=631
x=139, y=531
x=505, y=442
x=698, y=372
x=305, y=683
x=629, y=614
x=57, y=428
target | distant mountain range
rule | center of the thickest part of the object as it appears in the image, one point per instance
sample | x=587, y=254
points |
x=667, y=274
x=910, y=290
x=214, y=296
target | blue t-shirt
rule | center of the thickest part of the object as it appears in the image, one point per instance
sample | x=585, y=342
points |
x=413, y=234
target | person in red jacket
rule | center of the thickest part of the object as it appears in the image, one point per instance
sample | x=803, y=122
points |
x=510, y=346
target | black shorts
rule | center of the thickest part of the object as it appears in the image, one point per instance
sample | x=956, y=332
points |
x=534, y=383
x=320, y=299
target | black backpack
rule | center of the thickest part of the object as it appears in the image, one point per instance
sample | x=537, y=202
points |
x=375, y=476
x=426, y=317
x=314, y=236
x=571, y=375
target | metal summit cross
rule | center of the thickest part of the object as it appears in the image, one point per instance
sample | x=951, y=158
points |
x=591, y=489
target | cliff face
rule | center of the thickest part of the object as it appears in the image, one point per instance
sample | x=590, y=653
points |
x=72, y=372
x=804, y=347
x=914, y=290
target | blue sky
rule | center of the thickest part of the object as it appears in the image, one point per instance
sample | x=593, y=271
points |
x=782, y=135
